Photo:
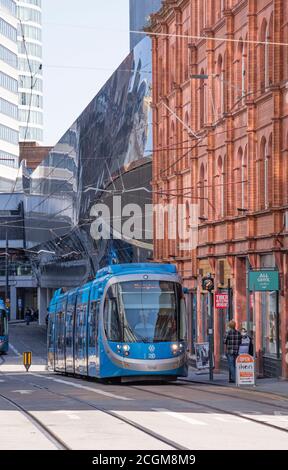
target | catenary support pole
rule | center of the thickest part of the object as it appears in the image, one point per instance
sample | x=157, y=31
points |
x=211, y=334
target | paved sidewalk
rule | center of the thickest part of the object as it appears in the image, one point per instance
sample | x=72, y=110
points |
x=268, y=385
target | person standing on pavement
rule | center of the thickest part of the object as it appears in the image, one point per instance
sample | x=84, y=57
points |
x=246, y=346
x=232, y=341
x=27, y=315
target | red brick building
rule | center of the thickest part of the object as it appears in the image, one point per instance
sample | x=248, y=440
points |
x=33, y=154
x=221, y=141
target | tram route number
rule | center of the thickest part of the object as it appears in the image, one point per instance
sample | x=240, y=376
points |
x=27, y=360
x=145, y=459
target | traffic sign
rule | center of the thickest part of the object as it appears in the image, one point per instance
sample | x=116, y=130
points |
x=221, y=300
x=245, y=370
x=27, y=360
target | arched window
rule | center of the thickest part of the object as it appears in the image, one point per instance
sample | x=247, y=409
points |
x=202, y=191
x=239, y=69
x=218, y=9
x=266, y=55
x=270, y=52
x=262, y=174
x=186, y=140
x=244, y=67
x=160, y=156
x=238, y=179
x=219, y=181
x=172, y=144
x=202, y=100
x=266, y=58
x=202, y=13
x=220, y=87
x=267, y=173
x=244, y=182
x=225, y=81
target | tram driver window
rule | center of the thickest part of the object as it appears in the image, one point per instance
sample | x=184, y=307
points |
x=3, y=323
x=111, y=319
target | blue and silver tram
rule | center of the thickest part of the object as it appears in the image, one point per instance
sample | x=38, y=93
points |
x=130, y=322
x=4, y=341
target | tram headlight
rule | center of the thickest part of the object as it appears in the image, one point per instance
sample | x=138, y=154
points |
x=126, y=349
x=174, y=348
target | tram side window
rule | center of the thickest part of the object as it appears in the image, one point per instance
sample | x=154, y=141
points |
x=69, y=327
x=3, y=323
x=112, y=324
x=50, y=333
x=79, y=325
x=93, y=326
x=60, y=329
x=182, y=316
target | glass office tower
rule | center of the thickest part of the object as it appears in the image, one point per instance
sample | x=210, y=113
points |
x=29, y=14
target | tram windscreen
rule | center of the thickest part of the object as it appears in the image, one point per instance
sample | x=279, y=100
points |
x=3, y=323
x=145, y=311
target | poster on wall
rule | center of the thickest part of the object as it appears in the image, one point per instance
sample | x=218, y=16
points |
x=202, y=355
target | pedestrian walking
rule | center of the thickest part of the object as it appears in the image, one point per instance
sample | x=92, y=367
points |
x=232, y=341
x=246, y=346
x=27, y=315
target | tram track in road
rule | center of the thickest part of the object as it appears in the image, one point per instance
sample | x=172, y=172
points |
x=160, y=438
x=216, y=409
x=174, y=445
x=252, y=400
x=50, y=435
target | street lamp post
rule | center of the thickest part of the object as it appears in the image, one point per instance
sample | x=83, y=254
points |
x=7, y=293
x=208, y=285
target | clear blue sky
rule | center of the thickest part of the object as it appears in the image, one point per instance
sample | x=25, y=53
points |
x=83, y=43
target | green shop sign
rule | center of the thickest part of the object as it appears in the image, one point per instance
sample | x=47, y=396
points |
x=263, y=280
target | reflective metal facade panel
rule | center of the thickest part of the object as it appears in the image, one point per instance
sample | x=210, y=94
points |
x=107, y=151
x=139, y=15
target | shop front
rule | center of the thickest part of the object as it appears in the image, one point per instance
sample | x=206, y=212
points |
x=264, y=288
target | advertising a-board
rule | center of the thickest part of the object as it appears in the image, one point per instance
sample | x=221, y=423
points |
x=245, y=370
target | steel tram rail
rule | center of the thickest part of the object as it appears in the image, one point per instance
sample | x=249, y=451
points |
x=128, y=421
x=133, y=424
x=255, y=392
x=50, y=435
x=214, y=408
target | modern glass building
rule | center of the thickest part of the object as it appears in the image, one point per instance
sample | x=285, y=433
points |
x=139, y=17
x=103, y=158
x=30, y=70
x=9, y=126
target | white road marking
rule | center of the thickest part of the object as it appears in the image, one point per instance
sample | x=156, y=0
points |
x=23, y=392
x=84, y=387
x=179, y=416
x=2, y=381
x=14, y=350
x=229, y=419
x=69, y=414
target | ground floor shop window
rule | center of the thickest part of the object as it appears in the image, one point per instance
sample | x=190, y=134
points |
x=270, y=323
x=194, y=318
x=204, y=317
x=223, y=319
